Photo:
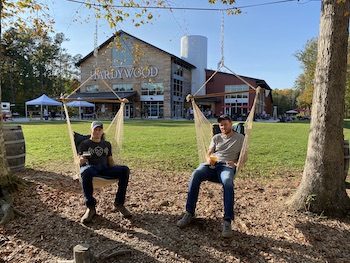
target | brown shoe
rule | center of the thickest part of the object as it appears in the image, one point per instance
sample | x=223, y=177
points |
x=122, y=209
x=89, y=214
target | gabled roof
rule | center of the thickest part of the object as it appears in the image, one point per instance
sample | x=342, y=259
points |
x=259, y=82
x=120, y=32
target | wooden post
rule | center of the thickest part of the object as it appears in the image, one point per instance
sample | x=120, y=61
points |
x=83, y=254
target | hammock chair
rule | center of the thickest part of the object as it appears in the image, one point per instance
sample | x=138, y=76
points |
x=114, y=132
x=204, y=129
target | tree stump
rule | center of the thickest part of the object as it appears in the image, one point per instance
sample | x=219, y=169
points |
x=83, y=254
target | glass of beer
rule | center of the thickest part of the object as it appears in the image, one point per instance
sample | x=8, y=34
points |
x=214, y=159
x=86, y=154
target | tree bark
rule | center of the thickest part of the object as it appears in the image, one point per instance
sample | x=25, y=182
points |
x=322, y=188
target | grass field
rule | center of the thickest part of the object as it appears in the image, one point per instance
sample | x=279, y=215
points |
x=171, y=144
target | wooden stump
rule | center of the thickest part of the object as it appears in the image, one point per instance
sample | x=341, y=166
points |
x=83, y=254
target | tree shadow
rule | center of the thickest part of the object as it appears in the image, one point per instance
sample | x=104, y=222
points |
x=54, y=207
x=326, y=239
x=51, y=227
x=242, y=247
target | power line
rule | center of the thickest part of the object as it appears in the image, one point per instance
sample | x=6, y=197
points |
x=186, y=8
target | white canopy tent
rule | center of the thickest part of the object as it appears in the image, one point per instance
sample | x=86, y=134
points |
x=80, y=103
x=43, y=100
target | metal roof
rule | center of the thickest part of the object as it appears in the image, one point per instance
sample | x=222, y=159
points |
x=102, y=95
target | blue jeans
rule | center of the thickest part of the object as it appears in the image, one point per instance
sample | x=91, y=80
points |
x=119, y=172
x=223, y=174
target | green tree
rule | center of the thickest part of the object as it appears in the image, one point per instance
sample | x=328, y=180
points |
x=285, y=99
x=32, y=66
x=306, y=81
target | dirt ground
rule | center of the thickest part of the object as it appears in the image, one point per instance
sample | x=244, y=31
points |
x=264, y=230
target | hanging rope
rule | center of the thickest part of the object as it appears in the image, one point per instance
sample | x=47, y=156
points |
x=222, y=37
x=96, y=41
x=204, y=127
x=243, y=157
x=114, y=132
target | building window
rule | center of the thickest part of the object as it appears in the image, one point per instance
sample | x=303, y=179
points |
x=152, y=89
x=178, y=88
x=91, y=88
x=178, y=109
x=154, y=109
x=237, y=88
x=123, y=87
x=177, y=70
x=237, y=110
x=122, y=52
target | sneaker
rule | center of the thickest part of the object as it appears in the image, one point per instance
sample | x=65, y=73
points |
x=185, y=220
x=226, y=229
x=122, y=209
x=89, y=214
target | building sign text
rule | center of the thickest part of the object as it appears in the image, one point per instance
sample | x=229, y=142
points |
x=120, y=73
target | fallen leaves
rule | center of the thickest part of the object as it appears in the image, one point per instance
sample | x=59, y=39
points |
x=264, y=231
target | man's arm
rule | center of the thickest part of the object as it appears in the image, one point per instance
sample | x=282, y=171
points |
x=111, y=161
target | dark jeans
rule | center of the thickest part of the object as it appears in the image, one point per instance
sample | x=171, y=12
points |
x=223, y=174
x=119, y=172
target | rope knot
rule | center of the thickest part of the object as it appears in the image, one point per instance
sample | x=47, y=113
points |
x=189, y=97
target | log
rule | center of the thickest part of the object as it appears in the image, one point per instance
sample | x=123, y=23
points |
x=83, y=254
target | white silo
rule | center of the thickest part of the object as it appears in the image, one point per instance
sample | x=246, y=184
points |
x=194, y=51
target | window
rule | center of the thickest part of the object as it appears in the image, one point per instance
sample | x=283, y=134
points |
x=237, y=88
x=152, y=89
x=177, y=70
x=178, y=88
x=154, y=108
x=123, y=87
x=91, y=88
x=122, y=52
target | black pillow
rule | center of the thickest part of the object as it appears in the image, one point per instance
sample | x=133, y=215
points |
x=239, y=128
x=78, y=138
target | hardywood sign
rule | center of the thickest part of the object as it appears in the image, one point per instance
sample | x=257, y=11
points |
x=124, y=72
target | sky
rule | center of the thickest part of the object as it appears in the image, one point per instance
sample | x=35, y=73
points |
x=259, y=43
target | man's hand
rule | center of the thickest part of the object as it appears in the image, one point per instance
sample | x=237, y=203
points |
x=83, y=160
x=232, y=164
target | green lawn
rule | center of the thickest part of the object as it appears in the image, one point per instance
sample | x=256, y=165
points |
x=171, y=145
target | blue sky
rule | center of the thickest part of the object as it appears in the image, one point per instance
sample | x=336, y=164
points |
x=258, y=43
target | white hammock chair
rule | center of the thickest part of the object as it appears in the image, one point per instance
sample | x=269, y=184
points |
x=114, y=132
x=204, y=127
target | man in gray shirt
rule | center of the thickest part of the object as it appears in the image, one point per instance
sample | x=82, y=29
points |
x=220, y=167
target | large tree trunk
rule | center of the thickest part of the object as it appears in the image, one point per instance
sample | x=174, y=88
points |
x=322, y=188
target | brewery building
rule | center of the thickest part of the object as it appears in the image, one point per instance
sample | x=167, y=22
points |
x=156, y=83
